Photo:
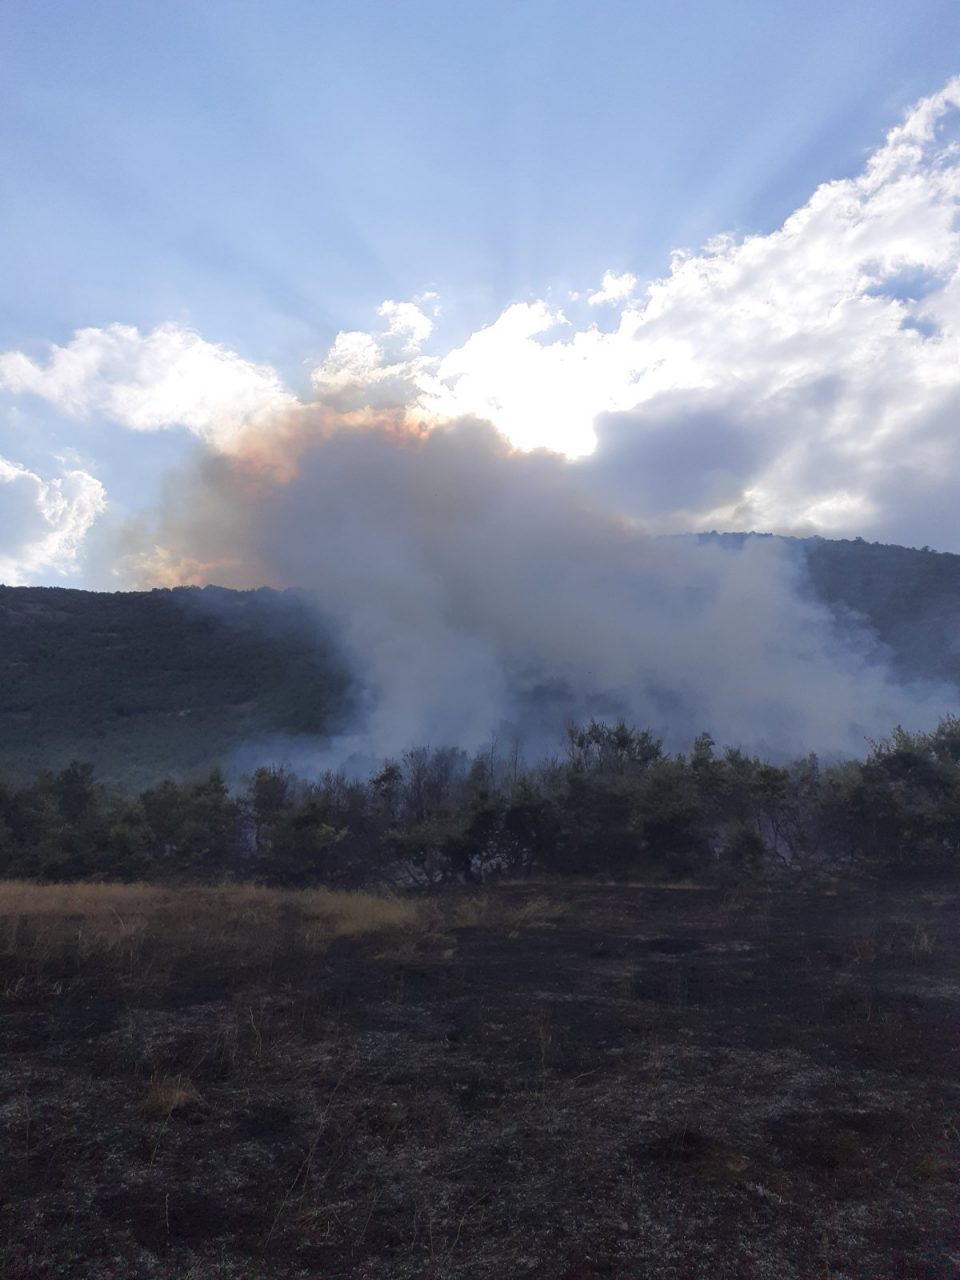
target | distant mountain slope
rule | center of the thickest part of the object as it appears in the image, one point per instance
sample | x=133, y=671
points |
x=144, y=683
x=149, y=683
x=909, y=598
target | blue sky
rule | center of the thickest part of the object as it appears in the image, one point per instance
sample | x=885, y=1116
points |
x=270, y=172
x=266, y=175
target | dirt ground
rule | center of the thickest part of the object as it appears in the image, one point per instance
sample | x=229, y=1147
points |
x=611, y=1081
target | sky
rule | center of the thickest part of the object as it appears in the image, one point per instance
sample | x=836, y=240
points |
x=706, y=251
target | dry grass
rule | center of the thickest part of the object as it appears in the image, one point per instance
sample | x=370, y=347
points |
x=140, y=930
x=891, y=940
x=126, y=905
x=136, y=927
x=485, y=909
x=166, y=1095
x=436, y=918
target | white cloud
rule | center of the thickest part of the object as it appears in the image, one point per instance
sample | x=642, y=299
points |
x=168, y=377
x=382, y=370
x=43, y=522
x=829, y=350
x=613, y=289
x=407, y=325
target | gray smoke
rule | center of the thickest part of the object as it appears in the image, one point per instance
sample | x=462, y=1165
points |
x=481, y=591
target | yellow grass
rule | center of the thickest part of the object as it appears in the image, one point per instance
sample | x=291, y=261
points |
x=168, y=1094
x=238, y=921
x=143, y=930
x=346, y=912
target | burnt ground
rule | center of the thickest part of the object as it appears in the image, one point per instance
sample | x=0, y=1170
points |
x=631, y=1083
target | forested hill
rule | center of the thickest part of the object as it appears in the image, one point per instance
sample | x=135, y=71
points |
x=909, y=598
x=146, y=683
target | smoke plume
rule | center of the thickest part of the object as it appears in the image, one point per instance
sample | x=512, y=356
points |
x=480, y=590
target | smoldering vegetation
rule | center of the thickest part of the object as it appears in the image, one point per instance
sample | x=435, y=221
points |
x=482, y=592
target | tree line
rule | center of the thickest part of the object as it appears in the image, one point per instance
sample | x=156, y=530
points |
x=614, y=803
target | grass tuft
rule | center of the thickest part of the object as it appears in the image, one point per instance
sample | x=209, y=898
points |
x=167, y=1095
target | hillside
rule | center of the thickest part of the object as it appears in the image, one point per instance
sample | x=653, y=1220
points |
x=908, y=598
x=148, y=683
x=144, y=683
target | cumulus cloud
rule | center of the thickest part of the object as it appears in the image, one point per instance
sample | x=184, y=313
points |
x=168, y=377
x=384, y=370
x=613, y=289
x=43, y=522
x=802, y=381
x=407, y=325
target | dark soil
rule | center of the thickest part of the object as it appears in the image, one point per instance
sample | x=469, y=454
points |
x=637, y=1084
